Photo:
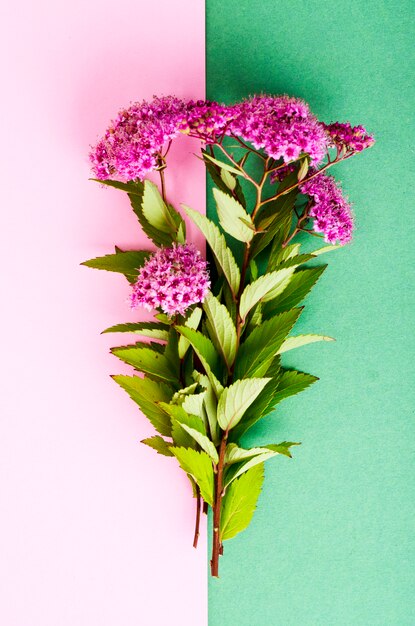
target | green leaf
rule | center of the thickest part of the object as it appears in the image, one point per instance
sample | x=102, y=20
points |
x=203, y=441
x=326, y=249
x=228, y=179
x=178, y=417
x=199, y=466
x=233, y=217
x=210, y=404
x=283, y=447
x=235, y=454
x=261, y=288
x=236, y=399
x=239, y=502
x=206, y=352
x=192, y=321
x=258, y=409
x=219, y=176
x=193, y=403
x=147, y=393
x=222, y=165
x=221, y=329
x=260, y=455
x=127, y=263
x=302, y=172
x=159, y=445
x=301, y=340
x=155, y=210
x=217, y=243
x=133, y=187
x=237, y=470
x=291, y=383
x=148, y=329
x=299, y=286
x=146, y=360
x=263, y=344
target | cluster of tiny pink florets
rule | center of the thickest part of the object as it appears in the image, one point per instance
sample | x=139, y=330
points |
x=131, y=145
x=348, y=137
x=329, y=208
x=281, y=126
x=206, y=119
x=172, y=279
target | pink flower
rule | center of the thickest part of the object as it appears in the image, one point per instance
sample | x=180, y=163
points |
x=331, y=211
x=351, y=138
x=282, y=126
x=132, y=143
x=172, y=279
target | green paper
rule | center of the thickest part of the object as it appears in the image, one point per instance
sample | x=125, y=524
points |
x=332, y=542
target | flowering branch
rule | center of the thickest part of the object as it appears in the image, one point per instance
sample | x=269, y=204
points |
x=209, y=366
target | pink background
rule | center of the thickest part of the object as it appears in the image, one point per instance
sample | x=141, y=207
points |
x=95, y=529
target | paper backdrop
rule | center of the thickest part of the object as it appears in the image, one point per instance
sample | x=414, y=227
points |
x=332, y=543
x=95, y=529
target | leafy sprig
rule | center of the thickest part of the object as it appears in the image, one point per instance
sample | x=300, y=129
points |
x=203, y=379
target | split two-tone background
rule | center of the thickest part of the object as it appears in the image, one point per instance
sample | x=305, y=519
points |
x=95, y=530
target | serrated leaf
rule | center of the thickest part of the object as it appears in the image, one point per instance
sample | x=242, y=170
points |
x=233, y=217
x=206, y=352
x=258, y=409
x=222, y=165
x=228, y=179
x=193, y=403
x=203, y=441
x=239, y=502
x=133, y=187
x=236, y=399
x=199, y=466
x=146, y=360
x=235, y=454
x=127, y=263
x=291, y=383
x=299, y=286
x=216, y=176
x=261, y=288
x=221, y=329
x=260, y=455
x=192, y=321
x=178, y=416
x=148, y=329
x=147, y=393
x=217, y=244
x=325, y=249
x=159, y=445
x=301, y=340
x=210, y=404
x=263, y=343
x=236, y=470
x=155, y=210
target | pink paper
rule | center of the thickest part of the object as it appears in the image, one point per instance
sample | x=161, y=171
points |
x=95, y=529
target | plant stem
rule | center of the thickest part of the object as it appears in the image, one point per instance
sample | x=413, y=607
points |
x=305, y=180
x=217, y=507
x=197, y=521
x=163, y=184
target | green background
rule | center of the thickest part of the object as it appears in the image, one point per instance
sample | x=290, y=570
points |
x=332, y=542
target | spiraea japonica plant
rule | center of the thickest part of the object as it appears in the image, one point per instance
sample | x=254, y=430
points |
x=211, y=364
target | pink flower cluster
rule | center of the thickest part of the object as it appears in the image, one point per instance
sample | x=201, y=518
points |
x=351, y=138
x=171, y=279
x=206, y=119
x=131, y=144
x=331, y=211
x=282, y=126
